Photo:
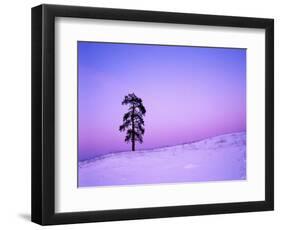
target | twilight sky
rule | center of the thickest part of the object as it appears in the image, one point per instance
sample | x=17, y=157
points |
x=190, y=93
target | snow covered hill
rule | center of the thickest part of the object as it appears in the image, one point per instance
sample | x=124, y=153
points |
x=214, y=159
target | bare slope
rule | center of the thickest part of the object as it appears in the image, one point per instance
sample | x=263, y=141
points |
x=214, y=159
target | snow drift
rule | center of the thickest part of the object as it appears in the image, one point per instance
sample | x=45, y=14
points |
x=218, y=158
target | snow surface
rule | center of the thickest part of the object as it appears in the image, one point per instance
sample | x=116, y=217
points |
x=218, y=158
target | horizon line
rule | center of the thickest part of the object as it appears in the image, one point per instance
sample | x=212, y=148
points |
x=164, y=146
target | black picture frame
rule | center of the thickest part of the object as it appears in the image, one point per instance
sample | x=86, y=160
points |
x=43, y=114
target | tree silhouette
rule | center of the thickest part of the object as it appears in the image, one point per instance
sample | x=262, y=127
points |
x=133, y=120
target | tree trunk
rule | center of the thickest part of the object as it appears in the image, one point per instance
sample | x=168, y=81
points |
x=133, y=129
x=133, y=145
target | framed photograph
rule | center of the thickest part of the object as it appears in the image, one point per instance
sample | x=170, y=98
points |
x=142, y=114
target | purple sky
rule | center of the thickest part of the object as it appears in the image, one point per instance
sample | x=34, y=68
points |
x=189, y=93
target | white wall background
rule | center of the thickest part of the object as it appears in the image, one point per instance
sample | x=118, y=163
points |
x=15, y=113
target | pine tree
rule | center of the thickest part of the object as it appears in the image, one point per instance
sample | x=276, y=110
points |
x=133, y=120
